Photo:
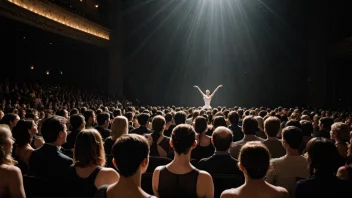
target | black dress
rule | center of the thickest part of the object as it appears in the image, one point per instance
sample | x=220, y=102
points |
x=173, y=185
x=82, y=187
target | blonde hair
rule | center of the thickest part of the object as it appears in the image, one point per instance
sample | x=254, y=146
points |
x=89, y=149
x=5, y=158
x=119, y=127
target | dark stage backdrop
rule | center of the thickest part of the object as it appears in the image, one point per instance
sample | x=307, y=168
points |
x=256, y=49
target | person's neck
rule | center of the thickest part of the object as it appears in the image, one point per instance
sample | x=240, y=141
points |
x=292, y=152
x=134, y=180
x=182, y=159
x=253, y=182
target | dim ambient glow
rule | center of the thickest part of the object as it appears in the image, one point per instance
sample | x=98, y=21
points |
x=78, y=24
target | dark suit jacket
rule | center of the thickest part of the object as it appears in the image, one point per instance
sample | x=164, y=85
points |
x=142, y=130
x=105, y=133
x=322, y=185
x=220, y=163
x=237, y=133
x=49, y=162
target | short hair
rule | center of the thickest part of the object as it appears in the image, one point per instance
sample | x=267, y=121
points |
x=9, y=117
x=143, y=119
x=89, y=149
x=61, y=112
x=255, y=158
x=51, y=128
x=293, y=136
x=342, y=131
x=119, y=127
x=180, y=117
x=323, y=156
x=233, y=117
x=263, y=113
x=250, y=125
x=129, y=151
x=116, y=112
x=272, y=126
x=326, y=122
x=76, y=121
x=129, y=115
x=158, y=123
x=222, y=138
x=87, y=114
x=102, y=118
x=168, y=117
x=74, y=111
x=200, y=124
x=183, y=137
x=306, y=127
x=219, y=121
x=21, y=134
x=295, y=123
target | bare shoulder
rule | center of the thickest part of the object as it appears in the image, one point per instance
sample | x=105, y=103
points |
x=11, y=171
x=108, y=170
x=231, y=193
x=282, y=191
x=204, y=174
x=158, y=169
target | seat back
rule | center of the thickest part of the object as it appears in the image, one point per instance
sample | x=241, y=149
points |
x=147, y=183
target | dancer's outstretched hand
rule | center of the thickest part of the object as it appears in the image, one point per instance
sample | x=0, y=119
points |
x=195, y=86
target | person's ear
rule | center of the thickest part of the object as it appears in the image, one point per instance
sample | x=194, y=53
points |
x=61, y=134
x=194, y=144
x=171, y=143
x=145, y=162
x=212, y=141
x=114, y=163
x=240, y=166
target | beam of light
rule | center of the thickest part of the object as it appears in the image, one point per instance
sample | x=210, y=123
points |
x=166, y=19
x=142, y=4
x=70, y=20
x=150, y=19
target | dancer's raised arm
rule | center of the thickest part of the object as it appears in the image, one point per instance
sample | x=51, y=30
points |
x=215, y=90
x=195, y=86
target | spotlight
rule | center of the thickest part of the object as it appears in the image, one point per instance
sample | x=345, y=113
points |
x=47, y=73
x=97, y=5
x=61, y=72
x=32, y=67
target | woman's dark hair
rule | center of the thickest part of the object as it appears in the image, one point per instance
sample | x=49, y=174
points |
x=323, y=156
x=219, y=121
x=183, y=137
x=158, y=124
x=129, y=151
x=255, y=158
x=21, y=134
x=200, y=124
x=9, y=117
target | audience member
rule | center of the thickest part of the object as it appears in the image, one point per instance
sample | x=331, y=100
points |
x=271, y=129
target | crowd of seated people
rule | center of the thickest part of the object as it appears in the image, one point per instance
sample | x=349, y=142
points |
x=103, y=148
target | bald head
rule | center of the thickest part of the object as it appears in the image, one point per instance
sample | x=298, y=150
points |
x=222, y=138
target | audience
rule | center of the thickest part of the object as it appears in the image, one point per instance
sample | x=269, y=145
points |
x=179, y=178
x=159, y=144
x=77, y=125
x=87, y=173
x=103, y=120
x=271, y=129
x=340, y=134
x=324, y=127
x=204, y=146
x=11, y=183
x=22, y=150
x=323, y=164
x=345, y=172
x=233, y=118
x=48, y=161
x=249, y=128
x=254, y=162
x=143, y=120
x=286, y=170
x=221, y=161
x=119, y=127
x=131, y=154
